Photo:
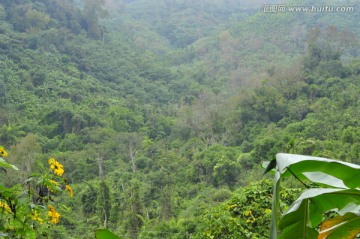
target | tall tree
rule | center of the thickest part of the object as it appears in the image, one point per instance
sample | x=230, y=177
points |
x=93, y=10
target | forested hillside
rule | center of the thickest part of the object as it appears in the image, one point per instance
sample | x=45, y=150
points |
x=163, y=111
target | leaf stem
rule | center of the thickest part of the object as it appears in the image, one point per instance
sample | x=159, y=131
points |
x=298, y=178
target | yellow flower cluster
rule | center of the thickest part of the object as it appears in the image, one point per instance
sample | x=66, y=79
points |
x=57, y=167
x=3, y=153
x=35, y=217
x=5, y=207
x=69, y=189
x=54, y=215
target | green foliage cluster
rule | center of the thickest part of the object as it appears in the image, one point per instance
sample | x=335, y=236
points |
x=245, y=215
x=157, y=124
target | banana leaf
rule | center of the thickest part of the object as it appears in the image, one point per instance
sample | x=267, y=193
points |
x=105, y=234
x=306, y=213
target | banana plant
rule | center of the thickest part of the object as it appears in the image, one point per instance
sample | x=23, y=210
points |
x=337, y=188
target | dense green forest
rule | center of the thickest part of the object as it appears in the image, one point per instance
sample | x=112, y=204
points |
x=162, y=111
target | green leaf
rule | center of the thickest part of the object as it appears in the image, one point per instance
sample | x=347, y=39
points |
x=4, y=164
x=323, y=171
x=105, y=234
x=306, y=212
x=345, y=226
x=296, y=225
x=269, y=166
x=30, y=234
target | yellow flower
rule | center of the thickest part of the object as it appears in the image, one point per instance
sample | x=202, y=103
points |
x=54, y=215
x=35, y=217
x=5, y=207
x=57, y=167
x=51, y=161
x=3, y=153
x=69, y=189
